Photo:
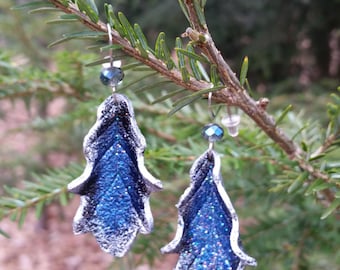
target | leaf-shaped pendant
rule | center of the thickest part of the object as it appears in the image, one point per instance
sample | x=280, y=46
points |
x=208, y=229
x=115, y=185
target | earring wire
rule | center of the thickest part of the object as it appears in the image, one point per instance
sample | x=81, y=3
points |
x=212, y=114
x=109, y=32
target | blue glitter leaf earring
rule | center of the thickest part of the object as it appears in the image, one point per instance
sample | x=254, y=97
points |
x=207, y=234
x=115, y=185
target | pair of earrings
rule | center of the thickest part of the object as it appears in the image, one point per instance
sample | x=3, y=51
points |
x=115, y=188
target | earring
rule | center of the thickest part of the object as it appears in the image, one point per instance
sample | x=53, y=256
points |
x=207, y=234
x=115, y=185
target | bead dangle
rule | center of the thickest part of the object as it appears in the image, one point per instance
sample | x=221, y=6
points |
x=207, y=234
x=115, y=186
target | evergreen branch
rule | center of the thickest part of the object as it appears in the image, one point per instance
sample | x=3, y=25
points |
x=240, y=98
x=79, y=35
x=39, y=193
x=299, y=251
x=156, y=64
x=169, y=95
x=27, y=88
x=326, y=145
x=32, y=5
x=232, y=93
x=163, y=135
x=160, y=111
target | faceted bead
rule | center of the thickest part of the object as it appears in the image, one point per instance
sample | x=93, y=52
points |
x=212, y=132
x=111, y=76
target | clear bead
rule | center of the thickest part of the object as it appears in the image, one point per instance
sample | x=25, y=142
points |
x=111, y=76
x=231, y=122
x=212, y=132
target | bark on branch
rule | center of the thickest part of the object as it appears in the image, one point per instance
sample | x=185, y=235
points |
x=233, y=93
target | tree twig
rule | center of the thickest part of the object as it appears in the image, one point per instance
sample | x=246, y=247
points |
x=239, y=96
x=327, y=143
x=233, y=94
x=298, y=256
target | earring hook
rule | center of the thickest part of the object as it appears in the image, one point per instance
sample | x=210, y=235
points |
x=109, y=32
x=212, y=115
x=212, y=132
x=111, y=75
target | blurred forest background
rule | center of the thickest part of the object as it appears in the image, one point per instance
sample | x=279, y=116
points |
x=48, y=100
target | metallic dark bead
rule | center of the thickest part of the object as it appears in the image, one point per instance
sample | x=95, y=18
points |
x=212, y=132
x=111, y=76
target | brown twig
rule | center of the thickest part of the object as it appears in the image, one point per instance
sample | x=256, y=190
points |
x=233, y=94
x=238, y=95
x=327, y=144
x=151, y=61
x=299, y=250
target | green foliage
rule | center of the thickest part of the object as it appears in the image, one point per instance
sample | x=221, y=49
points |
x=33, y=5
x=78, y=35
x=37, y=193
x=200, y=13
x=291, y=219
x=89, y=8
x=244, y=71
x=270, y=33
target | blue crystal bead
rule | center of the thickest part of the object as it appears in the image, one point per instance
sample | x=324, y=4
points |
x=212, y=132
x=111, y=76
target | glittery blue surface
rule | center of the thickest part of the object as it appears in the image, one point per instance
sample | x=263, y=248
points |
x=206, y=225
x=115, y=192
